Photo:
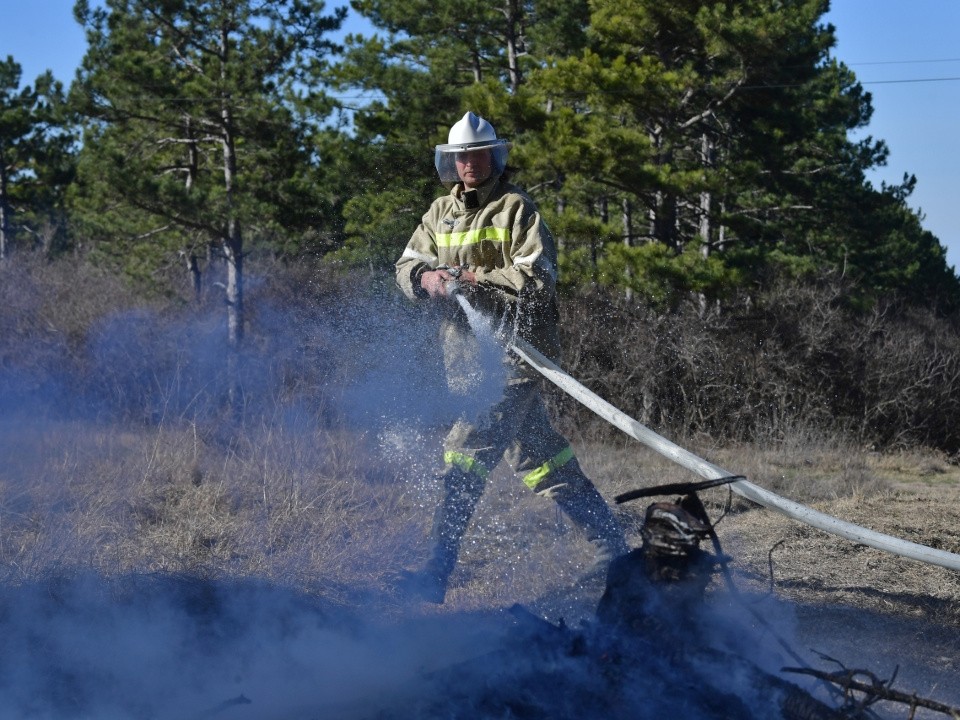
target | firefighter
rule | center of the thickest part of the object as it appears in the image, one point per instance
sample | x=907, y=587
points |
x=486, y=238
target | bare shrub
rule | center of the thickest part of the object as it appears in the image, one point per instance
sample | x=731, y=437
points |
x=61, y=298
x=798, y=356
x=911, y=381
x=325, y=481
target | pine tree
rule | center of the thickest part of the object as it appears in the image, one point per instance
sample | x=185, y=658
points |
x=198, y=126
x=723, y=127
x=676, y=148
x=35, y=155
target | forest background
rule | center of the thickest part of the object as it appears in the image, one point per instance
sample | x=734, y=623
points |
x=211, y=392
x=727, y=269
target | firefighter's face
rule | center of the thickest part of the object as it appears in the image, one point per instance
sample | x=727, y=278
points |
x=474, y=166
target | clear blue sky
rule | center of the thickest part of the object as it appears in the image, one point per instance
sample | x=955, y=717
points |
x=906, y=54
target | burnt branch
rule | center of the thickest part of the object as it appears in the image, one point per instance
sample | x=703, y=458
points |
x=873, y=690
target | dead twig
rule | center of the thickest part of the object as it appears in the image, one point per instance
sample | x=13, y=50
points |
x=770, y=564
x=875, y=689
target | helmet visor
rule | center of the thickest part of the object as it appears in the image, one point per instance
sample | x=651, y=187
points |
x=445, y=159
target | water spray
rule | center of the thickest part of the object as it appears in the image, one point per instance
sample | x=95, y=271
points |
x=616, y=417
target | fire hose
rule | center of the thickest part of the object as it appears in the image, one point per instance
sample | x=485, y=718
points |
x=744, y=488
x=794, y=510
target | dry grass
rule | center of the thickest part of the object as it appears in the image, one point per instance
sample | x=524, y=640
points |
x=298, y=510
x=814, y=567
x=337, y=514
x=911, y=495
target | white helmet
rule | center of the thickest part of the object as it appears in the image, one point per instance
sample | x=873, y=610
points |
x=471, y=132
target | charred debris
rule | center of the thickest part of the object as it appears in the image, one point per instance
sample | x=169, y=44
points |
x=646, y=655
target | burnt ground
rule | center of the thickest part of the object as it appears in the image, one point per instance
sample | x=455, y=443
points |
x=835, y=604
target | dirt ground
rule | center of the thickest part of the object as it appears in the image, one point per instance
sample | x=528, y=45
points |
x=855, y=607
x=865, y=608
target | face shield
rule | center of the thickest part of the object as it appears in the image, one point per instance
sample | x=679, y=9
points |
x=445, y=159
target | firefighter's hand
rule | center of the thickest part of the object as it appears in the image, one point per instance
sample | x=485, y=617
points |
x=434, y=282
x=468, y=277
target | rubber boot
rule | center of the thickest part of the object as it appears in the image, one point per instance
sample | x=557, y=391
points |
x=461, y=491
x=587, y=509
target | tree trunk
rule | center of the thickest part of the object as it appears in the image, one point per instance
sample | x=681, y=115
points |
x=627, y=215
x=663, y=213
x=560, y=209
x=233, y=239
x=477, y=69
x=193, y=155
x=514, y=17
x=233, y=251
x=193, y=273
x=594, y=245
x=232, y=242
x=663, y=221
x=5, y=234
x=706, y=197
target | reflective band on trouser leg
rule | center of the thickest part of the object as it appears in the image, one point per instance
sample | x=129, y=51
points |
x=465, y=463
x=535, y=477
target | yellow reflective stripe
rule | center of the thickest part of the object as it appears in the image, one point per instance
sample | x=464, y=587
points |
x=534, y=477
x=465, y=463
x=472, y=237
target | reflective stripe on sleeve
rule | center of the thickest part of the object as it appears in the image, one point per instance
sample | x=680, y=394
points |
x=535, y=477
x=465, y=463
x=472, y=237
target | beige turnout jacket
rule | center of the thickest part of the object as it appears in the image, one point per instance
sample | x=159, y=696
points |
x=505, y=242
